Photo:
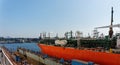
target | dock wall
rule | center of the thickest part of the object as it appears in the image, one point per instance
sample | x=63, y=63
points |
x=46, y=61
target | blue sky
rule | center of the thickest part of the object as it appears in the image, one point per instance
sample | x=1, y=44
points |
x=28, y=18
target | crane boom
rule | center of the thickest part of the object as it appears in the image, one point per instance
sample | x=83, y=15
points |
x=116, y=25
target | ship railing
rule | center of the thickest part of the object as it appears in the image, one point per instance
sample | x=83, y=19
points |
x=8, y=60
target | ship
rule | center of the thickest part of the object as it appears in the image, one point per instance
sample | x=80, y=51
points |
x=101, y=58
x=71, y=53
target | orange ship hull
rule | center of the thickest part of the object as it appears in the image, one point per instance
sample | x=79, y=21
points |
x=86, y=55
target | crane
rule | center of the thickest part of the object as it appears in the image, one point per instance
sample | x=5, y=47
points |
x=110, y=26
x=96, y=33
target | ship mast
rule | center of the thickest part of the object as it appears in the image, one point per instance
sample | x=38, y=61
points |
x=111, y=28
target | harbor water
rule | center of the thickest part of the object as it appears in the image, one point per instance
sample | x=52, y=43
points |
x=13, y=46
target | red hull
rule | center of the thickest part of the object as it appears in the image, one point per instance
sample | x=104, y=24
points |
x=86, y=55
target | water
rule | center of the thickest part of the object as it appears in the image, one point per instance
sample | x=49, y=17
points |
x=30, y=46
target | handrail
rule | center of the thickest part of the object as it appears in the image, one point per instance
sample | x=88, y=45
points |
x=8, y=58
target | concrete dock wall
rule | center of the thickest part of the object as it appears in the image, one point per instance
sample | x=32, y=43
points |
x=46, y=61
